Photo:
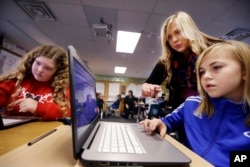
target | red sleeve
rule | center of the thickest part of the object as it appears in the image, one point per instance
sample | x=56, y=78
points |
x=50, y=111
x=6, y=89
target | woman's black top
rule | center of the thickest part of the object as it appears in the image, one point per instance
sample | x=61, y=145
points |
x=183, y=82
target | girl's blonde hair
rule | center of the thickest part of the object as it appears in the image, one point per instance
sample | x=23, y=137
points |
x=241, y=52
x=59, y=80
x=198, y=40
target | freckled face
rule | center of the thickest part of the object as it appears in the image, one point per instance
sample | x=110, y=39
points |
x=43, y=69
x=222, y=76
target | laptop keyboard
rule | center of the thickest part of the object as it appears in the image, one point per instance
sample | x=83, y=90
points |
x=118, y=138
x=9, y=121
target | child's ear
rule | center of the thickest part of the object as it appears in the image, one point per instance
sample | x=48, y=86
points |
x=244, y=76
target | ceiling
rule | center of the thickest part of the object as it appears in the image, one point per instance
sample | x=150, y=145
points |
x=73, y=21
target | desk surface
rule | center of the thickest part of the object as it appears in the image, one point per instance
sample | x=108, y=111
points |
x=15, y=137
x=14, y=150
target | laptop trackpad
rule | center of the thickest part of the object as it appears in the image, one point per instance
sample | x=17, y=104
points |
x=144, y=135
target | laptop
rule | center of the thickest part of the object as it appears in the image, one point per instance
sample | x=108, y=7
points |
x=12, y=121
x=88, y=132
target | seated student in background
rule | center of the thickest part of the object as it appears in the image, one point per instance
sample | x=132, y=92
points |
x=88, y=112
x=116, y=103
x=141, y=113
x=217, y=121
x=115, y=106
x=129, y=105
x=99, y=102
x=39, y=85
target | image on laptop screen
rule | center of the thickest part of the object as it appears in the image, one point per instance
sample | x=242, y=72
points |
x=83, y=98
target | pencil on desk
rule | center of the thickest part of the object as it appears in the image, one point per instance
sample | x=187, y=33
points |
x=41, y=137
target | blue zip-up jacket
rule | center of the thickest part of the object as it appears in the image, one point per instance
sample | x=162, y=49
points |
x=212, y=138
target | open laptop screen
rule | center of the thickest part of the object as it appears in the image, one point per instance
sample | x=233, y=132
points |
x=84, y=109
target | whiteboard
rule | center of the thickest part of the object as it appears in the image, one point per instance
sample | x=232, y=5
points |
x=114, y=90
x=136, y=88
x=100, y=87
x=8, y=61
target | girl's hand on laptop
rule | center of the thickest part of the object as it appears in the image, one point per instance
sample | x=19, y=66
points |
x=153, y=125
x=26, y=105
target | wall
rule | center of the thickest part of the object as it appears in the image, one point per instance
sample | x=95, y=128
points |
x=109, y=86
x=10, y=55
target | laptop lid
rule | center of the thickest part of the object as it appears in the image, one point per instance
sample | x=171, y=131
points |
x=82, y=99
x=12, y=121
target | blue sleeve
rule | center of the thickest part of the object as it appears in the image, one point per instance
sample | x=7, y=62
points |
x=116, y=104
x=174, y=120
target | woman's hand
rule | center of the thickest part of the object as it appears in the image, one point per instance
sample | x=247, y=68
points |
x=153, y=125
x=26, y=105
x=150, y=90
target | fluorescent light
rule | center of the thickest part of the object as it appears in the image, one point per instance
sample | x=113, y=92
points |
x=127, y=41
x=120, y=70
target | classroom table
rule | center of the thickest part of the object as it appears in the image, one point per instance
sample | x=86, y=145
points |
x=16, y=136
x=56, y=149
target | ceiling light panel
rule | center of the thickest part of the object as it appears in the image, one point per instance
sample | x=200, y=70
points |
x=120, y=70
x=127, y=41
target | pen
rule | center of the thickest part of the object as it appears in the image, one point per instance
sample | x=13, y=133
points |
x=41, y=137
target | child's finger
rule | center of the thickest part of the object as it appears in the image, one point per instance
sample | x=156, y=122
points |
x=17, y=102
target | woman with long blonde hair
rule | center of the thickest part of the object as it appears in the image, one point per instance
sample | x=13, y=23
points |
x=39, y=85
x=182, y=42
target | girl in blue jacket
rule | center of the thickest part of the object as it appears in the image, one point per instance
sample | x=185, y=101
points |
x=217, y=121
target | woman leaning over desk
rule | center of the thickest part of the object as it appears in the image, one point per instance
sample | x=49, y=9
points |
x=39, y=85
x=181, y=42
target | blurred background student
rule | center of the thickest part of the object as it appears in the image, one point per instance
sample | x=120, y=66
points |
x=129, y=105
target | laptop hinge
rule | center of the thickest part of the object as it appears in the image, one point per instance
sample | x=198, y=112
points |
x=90, y=140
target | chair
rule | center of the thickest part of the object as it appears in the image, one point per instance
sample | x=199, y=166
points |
x=115, y=111
x=120, y=109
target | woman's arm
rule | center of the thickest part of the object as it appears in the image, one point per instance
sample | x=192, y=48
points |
x=151, y=87
x=157, y=75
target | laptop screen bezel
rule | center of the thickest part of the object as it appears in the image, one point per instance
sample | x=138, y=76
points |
x=76, y=141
